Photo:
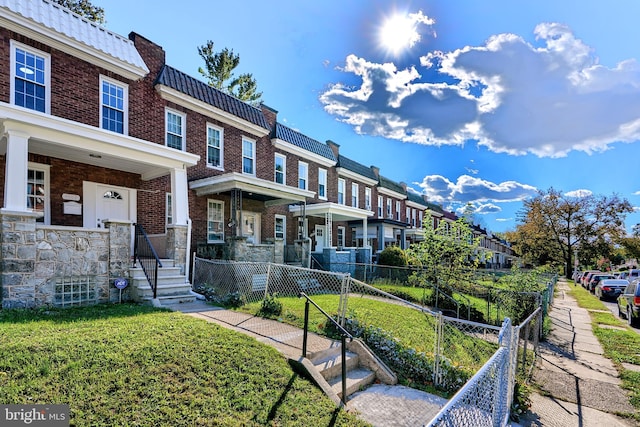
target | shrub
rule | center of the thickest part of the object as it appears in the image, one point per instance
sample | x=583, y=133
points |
x=393, y=256
x=270, y=306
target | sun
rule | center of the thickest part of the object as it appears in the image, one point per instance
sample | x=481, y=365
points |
x=398, y=32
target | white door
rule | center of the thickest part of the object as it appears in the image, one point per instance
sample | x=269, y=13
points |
x=102, y=202
x=320, y=236
x=251, y=226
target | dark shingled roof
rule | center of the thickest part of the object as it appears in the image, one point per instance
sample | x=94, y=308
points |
x=434, y=207
x=299, y=140
x=391, y=185
x=353, y=166
x=416, y=198
x=201, y=91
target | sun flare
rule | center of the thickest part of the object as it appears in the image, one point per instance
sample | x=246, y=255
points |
x=398, y=33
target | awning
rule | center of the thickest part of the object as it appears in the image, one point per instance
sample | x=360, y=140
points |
x=338, y=212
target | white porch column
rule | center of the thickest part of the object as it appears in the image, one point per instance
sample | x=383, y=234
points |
x=179, y=196
x=17, y=164
x=365, y=233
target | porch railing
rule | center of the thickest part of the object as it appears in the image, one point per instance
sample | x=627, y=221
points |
x=146, y=256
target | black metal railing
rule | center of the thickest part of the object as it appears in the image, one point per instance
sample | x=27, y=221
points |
x=146, y=256
x=343, y=340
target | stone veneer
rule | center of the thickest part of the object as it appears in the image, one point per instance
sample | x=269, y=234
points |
x=240, y=250
x=176, y=248
x=35, y=256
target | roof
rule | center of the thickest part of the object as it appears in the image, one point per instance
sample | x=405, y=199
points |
x=201, y=91
x=391, y=185
x=416, y=198
x=62, y=21
x=353, y=166
x=291, y=136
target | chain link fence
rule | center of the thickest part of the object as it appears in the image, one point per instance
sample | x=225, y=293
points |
x=480, y=360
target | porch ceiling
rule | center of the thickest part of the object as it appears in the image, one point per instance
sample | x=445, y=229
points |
x=60, y=138
x=338, y=211
x=271, y=192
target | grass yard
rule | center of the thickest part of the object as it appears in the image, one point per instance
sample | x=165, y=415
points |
x=134, y=365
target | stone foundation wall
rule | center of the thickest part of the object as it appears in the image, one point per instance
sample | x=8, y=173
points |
x=240, y=250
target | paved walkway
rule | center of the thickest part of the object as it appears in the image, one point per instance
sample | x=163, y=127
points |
x=581, y=387
x=381, y=405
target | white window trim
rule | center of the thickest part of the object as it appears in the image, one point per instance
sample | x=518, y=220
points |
x=284, y=227
x=253, y=159
x=380, y=207
x=389, y=209
x=342, y=183
x=284, y=168
x=168, y=211
x=221, y=130
x=222, y=210
x=398, y=210
x=367, y=198
x=47, y=75
x=323, y=182
x=47, y=195
x=166, y=127
x=125, y=89
x=355, y=196
x=344, y=236
x=306, y=175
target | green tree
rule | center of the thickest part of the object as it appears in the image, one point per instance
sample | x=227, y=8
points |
x=553, y=225
x=218, y=70
x=84, y=8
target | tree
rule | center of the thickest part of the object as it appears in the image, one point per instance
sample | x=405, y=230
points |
x=218, y=70
x=85, y=9
x=553, y=226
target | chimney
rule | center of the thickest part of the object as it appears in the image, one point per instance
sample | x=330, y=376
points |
x=404, y=186
x=376, y=171
x=334, y=147
x=152, y=54
x=270, y=114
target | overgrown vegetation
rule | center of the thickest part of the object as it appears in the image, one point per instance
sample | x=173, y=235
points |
x=133, y=365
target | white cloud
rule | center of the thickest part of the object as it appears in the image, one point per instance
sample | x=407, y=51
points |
x=504, y=219
x=479, y=209
x=471, y=189
x=508, y=95
x=637, y=193
x=579, y=193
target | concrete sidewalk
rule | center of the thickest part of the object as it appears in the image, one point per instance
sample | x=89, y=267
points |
x=380, y=404
x=580, y=386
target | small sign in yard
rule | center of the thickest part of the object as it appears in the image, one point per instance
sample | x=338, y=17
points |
x=120, y=283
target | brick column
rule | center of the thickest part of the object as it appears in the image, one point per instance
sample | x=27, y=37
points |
x=18, y=259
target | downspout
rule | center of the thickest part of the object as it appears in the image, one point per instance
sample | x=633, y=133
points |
x=187, y=263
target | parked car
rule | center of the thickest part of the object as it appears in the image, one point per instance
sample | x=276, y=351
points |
x=584, y=280
x=630, y=275
x=577, y=276
x=610, y=288
x=596, y=278
x=629, y=303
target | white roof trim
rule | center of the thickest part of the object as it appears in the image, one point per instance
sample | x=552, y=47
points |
x=209, y=110
x=61, y=29
x=76, y=141
x=301, y=152
x=248, y=183
x=391, y=193
x=416, y=205
x=356, y=176
x=344, y=212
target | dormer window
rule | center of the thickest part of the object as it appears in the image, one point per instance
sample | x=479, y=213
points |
x=30, y=78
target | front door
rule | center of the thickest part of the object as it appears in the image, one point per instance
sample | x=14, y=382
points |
x=251, y=226
x=107, y=202
x=320, y=232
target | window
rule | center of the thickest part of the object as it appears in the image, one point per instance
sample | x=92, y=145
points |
x=248, y=156
x=215, y=221
x=322, y=183
x=380, y=206
x=175, y=129
x=413, y=218
x=341, y=237
x=407, y=213
x=169, y=210
x=303, y=175
x=367, y=198
x=280, y=227
x=31, y=78
x=341, y=186
x=398, y=207
x=114, y=105
x=280, y=169
x=215, y=146
x=389, y=209
x=354, y=194
x=38, y=190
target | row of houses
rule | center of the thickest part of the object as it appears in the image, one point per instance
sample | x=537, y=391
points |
x=102, y=134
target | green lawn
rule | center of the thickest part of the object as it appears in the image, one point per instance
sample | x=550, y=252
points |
x=133, y=365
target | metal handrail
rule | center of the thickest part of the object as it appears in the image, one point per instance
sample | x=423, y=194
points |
x=146, y=255
x=343, y=337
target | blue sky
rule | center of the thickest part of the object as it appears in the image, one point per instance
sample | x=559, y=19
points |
x=468, y=101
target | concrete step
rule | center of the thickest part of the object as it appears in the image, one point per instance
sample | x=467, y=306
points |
x=330, y=365
x=141, y=281
x=170, y=300
x=164, y=289
x=357, y=379
x=162, y=271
